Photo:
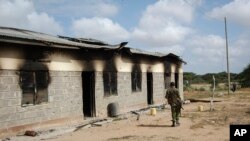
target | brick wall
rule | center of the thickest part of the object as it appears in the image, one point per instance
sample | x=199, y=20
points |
x=158, y=88
x=127, y=99
x=65, y=99
x=180, y=75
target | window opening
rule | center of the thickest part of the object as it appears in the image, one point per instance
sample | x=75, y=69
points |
x=34, y=87
x=110, y=83
x=136, y=78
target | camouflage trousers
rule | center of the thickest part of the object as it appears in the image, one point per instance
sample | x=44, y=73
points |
x=175, y=110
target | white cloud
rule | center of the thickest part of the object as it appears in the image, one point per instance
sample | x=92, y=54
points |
x=161, y=26
x=78, y=8
x=170, y=9
x=210, y=46
x=164, y=24
x=13, y=13
x=176, y=49
x=22, y=14
x=240, y=48
x=205, y=53
x=44, y=23
x=237, y=11
x=169, y=35
x=208, y=54
x=100, y=28
x=213, y=47
x=103, y=9
x=239, y=53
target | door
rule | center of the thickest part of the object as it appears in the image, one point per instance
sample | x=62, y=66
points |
x=150, y=88
x=88, y=85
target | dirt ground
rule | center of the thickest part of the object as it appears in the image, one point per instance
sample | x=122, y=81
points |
x=195, y=125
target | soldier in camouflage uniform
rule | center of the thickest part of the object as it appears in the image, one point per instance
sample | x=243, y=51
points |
x=174, y=100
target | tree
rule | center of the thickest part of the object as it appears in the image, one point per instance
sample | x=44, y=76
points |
x=192, y=78
x=244, y=77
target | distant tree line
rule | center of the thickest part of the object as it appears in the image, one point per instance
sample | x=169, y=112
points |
x=242, y=78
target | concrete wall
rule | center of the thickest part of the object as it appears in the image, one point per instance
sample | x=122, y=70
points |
x=158, y=88
x=65, y=88
x=176, y=69
x=180, y=81
x=126, y=99
x=65, y=99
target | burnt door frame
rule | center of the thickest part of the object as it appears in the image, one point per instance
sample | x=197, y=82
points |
x=150, y=88
x=88, y=95
x=176, y=80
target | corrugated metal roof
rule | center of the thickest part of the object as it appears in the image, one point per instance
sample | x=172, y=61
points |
x=157, y=54
x=68, y=42
x=36, y=36
x=138, y=51
x=84, y=40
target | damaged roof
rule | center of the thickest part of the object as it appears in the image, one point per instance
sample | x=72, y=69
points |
x=85, y=40
x=22, y=36
x=156, y=54
x=139, y=51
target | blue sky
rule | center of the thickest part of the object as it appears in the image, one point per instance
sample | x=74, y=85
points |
x=192, y=29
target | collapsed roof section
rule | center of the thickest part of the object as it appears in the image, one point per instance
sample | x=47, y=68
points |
x=22, y=36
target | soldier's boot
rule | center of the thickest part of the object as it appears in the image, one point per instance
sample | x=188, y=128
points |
x=173, y=123
x=177, y=123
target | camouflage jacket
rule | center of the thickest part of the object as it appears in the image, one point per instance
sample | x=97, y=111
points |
x=173, y=96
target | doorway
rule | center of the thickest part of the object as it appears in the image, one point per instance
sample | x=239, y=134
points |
x=88, y=87
x=150, y=88
x=176, y=80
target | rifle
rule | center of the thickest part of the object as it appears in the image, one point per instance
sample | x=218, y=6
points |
x=179, y=104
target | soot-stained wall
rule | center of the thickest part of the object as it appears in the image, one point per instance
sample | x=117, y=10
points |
x=14, y=57
x=64, y=101
x=65, y=67
x=64, y=88
x=126, y=99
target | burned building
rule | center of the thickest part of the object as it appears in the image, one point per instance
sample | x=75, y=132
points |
x=47, y=80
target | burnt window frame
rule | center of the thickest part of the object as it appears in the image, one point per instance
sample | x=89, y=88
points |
x=166, y=83
x=110, y=83
x=136, y=81
x=35, y=86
